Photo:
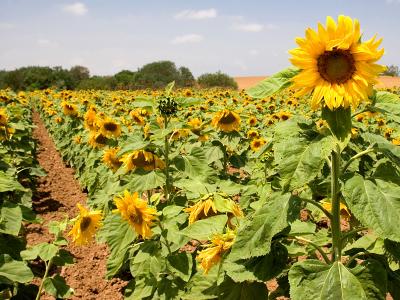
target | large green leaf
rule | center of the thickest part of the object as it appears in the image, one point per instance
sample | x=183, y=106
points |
x=382, y=145
x=313, y=279
x=255, y=235
x=375, y=204
x=230, y=290
x=9, y=184
x=273, y=84
x=194, y=164
x=181, y=265
x=259, y=269
x=57, y=287
x=339, y=121
x=388, y=104
x=10, y=218
x=119, y=235
x=143, y=181
x=300, y=160
x=204, y=229
x=13, y=270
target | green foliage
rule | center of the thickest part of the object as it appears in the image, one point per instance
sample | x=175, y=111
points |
x=217, y=79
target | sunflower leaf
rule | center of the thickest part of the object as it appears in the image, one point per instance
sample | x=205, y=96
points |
x=273, y=84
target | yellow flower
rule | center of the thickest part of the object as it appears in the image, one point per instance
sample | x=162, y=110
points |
x=77, y=139
x=226, y=121
x=85, y=225
x=253, y=134
x=142, y=159
x=3, y=117
x=256, y=144
x=97, y=140
x=111, y=160
x=206, y=207
x=58, y=120
x=335, y=65
x=109, y=128
x=137, y=117
x=69, y=109
x=252, y=121
x=344, y=211
x=180, y=133
x=136, y=212
x=396, y=142
x=284, y=115
x=91, y=119
x=212, y=252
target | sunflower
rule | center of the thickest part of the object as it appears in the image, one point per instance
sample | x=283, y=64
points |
x=77, y=139
x=136, y=212
x=137, y=117
x=111, y=160
x=3, y=117
x=207, y=207
x=142, y=159
x=226, y=121
x=69, y=109
x=253, y=134
x=256, y=144
x=90, y=119
x=252, y=121
x=212, y=252
x=344, y=211
x=109, y=128
x=179, y=134
x=335, y=65
x=97, y=139
x=284, y=115
x=396, y=142
x=58, y=120
x=85, y=225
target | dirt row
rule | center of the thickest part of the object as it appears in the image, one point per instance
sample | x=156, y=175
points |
x=56, y=197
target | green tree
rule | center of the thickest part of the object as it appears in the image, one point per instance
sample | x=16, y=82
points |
x=217, y=79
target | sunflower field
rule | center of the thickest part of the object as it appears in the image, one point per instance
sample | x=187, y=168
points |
x=210, y=194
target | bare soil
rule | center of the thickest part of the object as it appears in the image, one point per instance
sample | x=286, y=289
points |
x=55, y=199
x=249, y=81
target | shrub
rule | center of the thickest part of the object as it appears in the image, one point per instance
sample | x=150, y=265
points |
x=217, y=79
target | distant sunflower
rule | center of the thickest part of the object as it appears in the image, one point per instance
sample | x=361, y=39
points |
x=256, y=144
x=252, y=121
x=85, y=225
x=136, y=212
x=226, y=121
x=137, y=117
x=335, y=65
x=90, y=119
x=142, y=159
x=69, y=109
x=97, y=139
x=253, y=134
x=111, y=159
x=3, y=117
x=58, y=120
x=109, y=128
x=212, y=252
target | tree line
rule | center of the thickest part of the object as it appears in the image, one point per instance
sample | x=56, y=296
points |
x=154, y=75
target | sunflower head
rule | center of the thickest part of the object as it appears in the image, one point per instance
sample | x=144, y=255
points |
x=226, y=121
x=90, y=119
x=252, y=121
x=97, y=139
x=3, y=117
x=85, y=226
x=142, y=159
x=69, y=109
x=111, y=159
x=109, y=128
x=136, y=212
x=335, y=66
x=257, y=143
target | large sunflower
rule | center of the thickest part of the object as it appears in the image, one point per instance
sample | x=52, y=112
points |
x=136, y=212
x=85, y=225
x=109, y=128
x=142, y=159
x=335, y=65
x=226, y=121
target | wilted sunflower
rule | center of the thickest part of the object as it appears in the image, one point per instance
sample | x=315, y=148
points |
x=226, y=121
x=136, y=212
x=69, y=109
x=206, y=207
x=109, y=128
x=85, y=225
x=3, y=117
x=256, y=144
x=97, y=139
x=335, y=65
x=213, y=251
x=142, y=159
x=111, y=159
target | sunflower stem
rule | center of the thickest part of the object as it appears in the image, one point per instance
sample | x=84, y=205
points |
x=318, y=248
x=46, y=272
x=166, y=154
x=358, y=155
x=335, y=190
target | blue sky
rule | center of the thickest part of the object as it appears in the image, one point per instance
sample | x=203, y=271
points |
x=236, y=37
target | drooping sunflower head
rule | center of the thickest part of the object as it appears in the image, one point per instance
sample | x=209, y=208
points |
x=111, y=159
x=336, y=67
x=85, y=225
x=109, y=128
x=142, y=159
x=136, y=212
x=213, y=251
x=97, y=139
x=226, y=121
x=3, y=117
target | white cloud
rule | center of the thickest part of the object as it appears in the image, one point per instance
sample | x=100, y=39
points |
x=6, y=26
x=249, y=27
x=77, y=9
x=197, y=14
x=187, y=38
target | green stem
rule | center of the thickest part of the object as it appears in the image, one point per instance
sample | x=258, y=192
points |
x=320, y=250
x=351, y=232
x=352, y=258
x=358, y=155
x=46, y=272
x=335, y=221
x=315, y=203
x=166, y=154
